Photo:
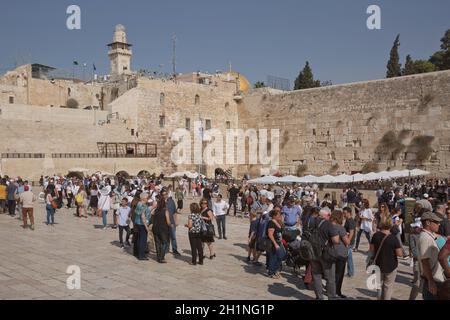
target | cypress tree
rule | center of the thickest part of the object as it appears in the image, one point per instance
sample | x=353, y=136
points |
x=394, y=66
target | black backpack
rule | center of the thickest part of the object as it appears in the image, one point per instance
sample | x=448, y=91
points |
x=312, y=246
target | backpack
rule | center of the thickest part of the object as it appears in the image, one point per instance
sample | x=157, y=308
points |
x=79, y=198
x=312, y=246
x=249, y=200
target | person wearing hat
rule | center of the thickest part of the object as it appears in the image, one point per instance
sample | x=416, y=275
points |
x=27, y=199
x=430, y=269
x=416, y=229
x=104, y=204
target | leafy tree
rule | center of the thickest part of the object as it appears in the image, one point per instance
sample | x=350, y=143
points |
x=394, y=66
x=441, y=58
x=326, y=83
x=417, y=66
x=259, y=84
x=409, y=66
x=305, y=79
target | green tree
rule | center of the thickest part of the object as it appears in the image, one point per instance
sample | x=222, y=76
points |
x=417, y=66
x=305, y=79
x=394, y=68
x=259, y=84
x=441, y=58
x=409, y=66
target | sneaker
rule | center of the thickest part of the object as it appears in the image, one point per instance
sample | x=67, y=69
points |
x=122, y=246
x=176, y=253
x=32, y=227
x=225, y=238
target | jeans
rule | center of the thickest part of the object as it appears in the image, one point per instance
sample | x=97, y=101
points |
x=415, y=289
x=50, y=214
x=142, y=241
x=358, y=237
x=328, y=269
x=350, y=267
x=104, y=214
x=172, y=239
x=127, y=230
x=161, y=244
x=195, y=241
x=232, y=202
x=275, y=259
x=427, y=295
x=12, y=207
x=3, y=205
x=221, y=225
x=387, y=285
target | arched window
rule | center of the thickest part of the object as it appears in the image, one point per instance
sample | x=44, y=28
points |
x=162, y=98
x=227, y=104
x=197, y=99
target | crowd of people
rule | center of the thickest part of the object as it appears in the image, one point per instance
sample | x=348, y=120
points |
x=326, y=230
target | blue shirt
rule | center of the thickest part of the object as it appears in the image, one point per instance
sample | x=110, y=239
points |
x=291, y=215
x=138, y=212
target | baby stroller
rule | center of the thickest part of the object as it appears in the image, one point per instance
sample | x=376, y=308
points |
x=291, y=242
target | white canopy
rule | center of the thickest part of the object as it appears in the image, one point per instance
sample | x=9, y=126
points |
x=264, y=180
x=418, y=173
x=188, y=174
x=325, y=179
x=308, y=179
x=343, y=178
x=289, y=179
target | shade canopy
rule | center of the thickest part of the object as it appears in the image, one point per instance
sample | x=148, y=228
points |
x=191, y=175
x=265, y=180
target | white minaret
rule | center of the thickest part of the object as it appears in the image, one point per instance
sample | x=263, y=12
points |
x=120, y=53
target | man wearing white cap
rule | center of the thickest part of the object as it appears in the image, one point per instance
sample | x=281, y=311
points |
x=414, y=236
x=430, y=268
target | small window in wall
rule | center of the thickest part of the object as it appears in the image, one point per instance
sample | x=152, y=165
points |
x=69, y=91
x=227, y=105
x=197, y=99
x=11, y=100
x=188, y=124
x=228, y=125
x=132, y=132
x=208, y=124
x=162, y=99
x=314, y=132
x=162, y=121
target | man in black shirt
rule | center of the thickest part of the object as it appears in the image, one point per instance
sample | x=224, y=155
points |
x=233, y=196
x=328, y=235
x=350, y=227
x=351, y=199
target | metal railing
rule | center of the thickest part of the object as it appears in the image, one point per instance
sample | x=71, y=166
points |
x=23, y=155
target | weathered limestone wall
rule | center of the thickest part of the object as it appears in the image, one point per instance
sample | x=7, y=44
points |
x=387, y=124
x=142, y=108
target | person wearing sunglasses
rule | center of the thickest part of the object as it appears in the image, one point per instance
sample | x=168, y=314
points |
x=208, y=216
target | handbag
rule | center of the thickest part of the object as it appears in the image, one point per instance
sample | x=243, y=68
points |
x=372, y=260
x=54, y=204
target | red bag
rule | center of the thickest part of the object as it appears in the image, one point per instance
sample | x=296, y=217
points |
x=249, y=200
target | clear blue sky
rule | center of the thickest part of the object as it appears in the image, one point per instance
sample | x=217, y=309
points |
x=260, y=37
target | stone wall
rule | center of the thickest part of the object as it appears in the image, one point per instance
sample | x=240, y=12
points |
x=375, y=125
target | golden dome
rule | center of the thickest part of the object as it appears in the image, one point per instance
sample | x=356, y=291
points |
x=244, y=84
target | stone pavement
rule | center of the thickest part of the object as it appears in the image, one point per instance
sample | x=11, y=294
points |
x=33, y=265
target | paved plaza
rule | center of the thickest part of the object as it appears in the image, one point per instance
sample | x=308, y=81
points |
x=33, y=266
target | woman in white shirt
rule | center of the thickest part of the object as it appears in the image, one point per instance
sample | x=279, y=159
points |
x=104, y=204
x=366, y=218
